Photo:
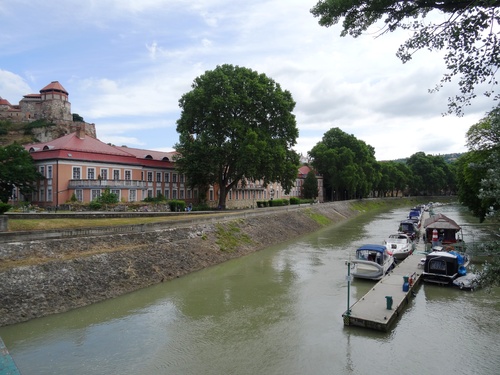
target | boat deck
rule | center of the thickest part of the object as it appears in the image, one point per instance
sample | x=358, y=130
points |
x=371, y=310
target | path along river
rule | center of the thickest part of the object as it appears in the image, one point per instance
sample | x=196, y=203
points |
x=277, y=311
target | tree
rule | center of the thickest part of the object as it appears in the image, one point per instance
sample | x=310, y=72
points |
x=16, y=170
x=478, y=171
x=430, y=174
x=347, y=164
x=310, y=186
x=236, y=126
x=468, y=34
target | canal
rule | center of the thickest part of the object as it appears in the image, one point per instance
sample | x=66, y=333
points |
x=274, y=312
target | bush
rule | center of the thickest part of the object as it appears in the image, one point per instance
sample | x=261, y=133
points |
x=4, y=207
x=278, y=202
x=294, y=200
x=261, y=204
x=177, y=205
x=95, y=205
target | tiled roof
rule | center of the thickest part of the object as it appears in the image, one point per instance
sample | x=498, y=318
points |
x=54, y=86
x=304, y=169
x=71, y=142
x=4, y=101
x=148, y=154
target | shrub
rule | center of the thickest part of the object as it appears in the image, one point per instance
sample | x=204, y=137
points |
x=4, y=207
x=294, y=200
x=177, y=205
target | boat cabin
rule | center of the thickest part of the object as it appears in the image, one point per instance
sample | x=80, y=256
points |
x=443, y=267
x=408, y=227
x=446, y=228
x=373, y=253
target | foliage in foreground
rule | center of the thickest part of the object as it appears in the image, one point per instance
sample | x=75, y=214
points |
x=468, y=34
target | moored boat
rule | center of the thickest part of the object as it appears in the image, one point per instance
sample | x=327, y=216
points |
x=443, y=267
x=410, y=228
x=372, y=262
x=399, y=245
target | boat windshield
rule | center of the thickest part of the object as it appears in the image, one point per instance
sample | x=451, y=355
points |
x=372, y=256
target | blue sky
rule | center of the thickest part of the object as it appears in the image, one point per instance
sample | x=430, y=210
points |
x=126, y=63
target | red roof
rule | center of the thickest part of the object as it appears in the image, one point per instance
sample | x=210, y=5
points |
x=71, y=142
x=54, y=86
x=148, y=154
x=4, y=101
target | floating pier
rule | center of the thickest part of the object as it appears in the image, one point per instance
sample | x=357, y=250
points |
x=381, y=306
x=7, y=364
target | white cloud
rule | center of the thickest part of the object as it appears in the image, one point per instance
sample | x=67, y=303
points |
x=127, y=63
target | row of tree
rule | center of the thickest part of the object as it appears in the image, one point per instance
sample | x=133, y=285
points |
x=350, y=170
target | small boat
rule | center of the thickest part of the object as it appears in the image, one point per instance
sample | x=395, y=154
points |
x=372, y=262
x=410, y=228
x=399, y=245
x=468, y=282
x=443, y=267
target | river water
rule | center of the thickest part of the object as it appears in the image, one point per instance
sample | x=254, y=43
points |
x=277, y=311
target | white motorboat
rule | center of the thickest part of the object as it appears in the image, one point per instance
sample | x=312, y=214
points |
x=399, y=245
x=372, y=262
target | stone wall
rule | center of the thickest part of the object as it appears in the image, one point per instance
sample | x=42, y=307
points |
x=39, y=278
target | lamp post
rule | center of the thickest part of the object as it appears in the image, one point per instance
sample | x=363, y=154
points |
x=271, y=193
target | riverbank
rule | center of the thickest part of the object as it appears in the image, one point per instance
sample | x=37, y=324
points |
x=39, y=278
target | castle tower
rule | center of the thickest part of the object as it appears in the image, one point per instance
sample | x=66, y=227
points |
x=54, y=103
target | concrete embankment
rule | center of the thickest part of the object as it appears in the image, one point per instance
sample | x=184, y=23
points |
x=39, y=278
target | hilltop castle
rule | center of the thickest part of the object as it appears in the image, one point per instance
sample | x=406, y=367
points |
x=50, y=104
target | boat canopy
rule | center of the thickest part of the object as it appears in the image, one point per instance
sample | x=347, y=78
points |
x=440, y=221
x=378, y=248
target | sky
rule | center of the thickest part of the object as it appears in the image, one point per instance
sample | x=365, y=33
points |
x=126, y=64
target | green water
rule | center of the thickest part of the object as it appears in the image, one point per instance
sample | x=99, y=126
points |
x=277, y=311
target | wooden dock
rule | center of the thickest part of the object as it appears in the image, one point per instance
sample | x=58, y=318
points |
x=371, y=310
x=7, y=365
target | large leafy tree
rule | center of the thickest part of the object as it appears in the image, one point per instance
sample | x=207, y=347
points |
x=430, y=174
x=236, y=126
x=347, y=164
x=467, y=32
x=16, y=170
x=478, y=171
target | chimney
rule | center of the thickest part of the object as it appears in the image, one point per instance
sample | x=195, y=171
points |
x=80, y=131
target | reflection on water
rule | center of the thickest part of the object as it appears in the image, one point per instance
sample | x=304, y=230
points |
x=277, y=311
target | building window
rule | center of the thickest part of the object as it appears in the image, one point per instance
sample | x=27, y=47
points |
x=128, y=175
x=174, y=177
x=174, y=194
x=181, y=192
x=77, y=173
x=42, y=170
x=91, y=173
x=116, y=174
x=190, y=194
x=104, y=174
x=49, y=171
x=150, y=193
x=158, y=176
x=230, y=195
x=42, y=195
x=167, y=194
x=132, y=195
x=49, y=195
x=150, y=176
x=117, y=193
x=79, y=195
x=181, y=178
x=167, y=177
x=95, y=193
